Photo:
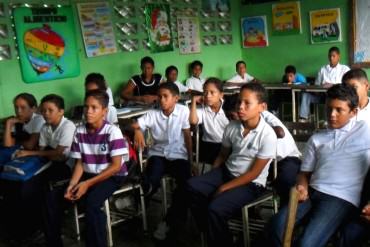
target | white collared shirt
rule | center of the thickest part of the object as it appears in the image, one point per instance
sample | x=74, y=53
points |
x=364, y=113
x=167, y=132
x=258, y=143
x=110, y=95
x=339, y=160
x=286, y=146
x=35, y=124
x=214, y=123
x=333, y=75
x=195, y=83
x=182, y=87
x=238, y=79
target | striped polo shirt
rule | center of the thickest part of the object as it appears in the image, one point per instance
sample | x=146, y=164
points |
x=97, y=149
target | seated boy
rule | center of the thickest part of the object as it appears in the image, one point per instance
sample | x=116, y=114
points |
x=171, y=76
x=240, y=170
x=170, y=153
x=195, y=82
x=332, y=172
x=328, y=75
x=241, y=75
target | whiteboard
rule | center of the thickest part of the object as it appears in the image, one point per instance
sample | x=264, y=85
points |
x=360, y=33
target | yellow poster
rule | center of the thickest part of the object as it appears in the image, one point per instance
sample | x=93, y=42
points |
x=325, y=26
x=286, y=18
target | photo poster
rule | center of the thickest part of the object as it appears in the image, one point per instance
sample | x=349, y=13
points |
x=46, y=43
x=286, y=18
x=97, y=28
x=254, y=32
x=157, y=19
x=325, y=26
x=188, y=35
x=216, y=5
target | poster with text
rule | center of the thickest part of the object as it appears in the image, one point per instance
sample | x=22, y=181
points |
x=254, y=32
x=286, y=18
x=157, y=19
x=188, y=35
x=325, y=26
x=97, y=29
x=46, y=43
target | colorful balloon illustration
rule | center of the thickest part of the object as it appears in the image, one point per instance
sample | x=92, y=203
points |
x=44, y=47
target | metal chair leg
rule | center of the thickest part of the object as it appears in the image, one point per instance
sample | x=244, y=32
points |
x=246, y=233
x=109, y=223
x=143, y=209
x=164, y=196
x=77, y=224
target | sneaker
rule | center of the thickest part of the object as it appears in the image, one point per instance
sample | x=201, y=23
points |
x=161, y=232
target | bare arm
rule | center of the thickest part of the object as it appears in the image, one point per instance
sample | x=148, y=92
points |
x=188, y=144
x=8, y=139
x=221, y=157
x=32, y=142
x=193, y=117
x=53, y=154
x=302, y=185
x=76, y=176
x=128, y=94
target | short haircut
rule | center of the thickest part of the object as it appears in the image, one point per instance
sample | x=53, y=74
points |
x=29, y=98
x=343, y=93
x=96, y=78
x=145, y=60
x=99, y=95
x=240, y=62
x=290, y=69
x=334, y=49
x=172, y=87
x=57, y=100
x=215, y=81
x=170, y=68
x=358, y=74
x=256, y=88
x=196, y=63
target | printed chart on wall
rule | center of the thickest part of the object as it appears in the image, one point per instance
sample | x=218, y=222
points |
x=286, y=18
x=325, y=26
x=97, y=28
x=254, y=32
x=188, y=35
x=46, y=43
x=360, y=53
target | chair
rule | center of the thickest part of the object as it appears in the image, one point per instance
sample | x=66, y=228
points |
x=292, y=211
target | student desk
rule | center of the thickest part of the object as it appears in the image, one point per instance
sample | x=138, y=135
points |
x=132, y=111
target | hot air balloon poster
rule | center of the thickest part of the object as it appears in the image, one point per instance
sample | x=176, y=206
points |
x=46, y=43
x=158, y=25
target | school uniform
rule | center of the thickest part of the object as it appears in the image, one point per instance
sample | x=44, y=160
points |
x=95, y=151
x=241, y=79
x=168, y=154
x=146, y=88
x=110, y=95
x=326, y=74
x=338, y=160
x=364, y=113
x=182, y=87
x=214, y=212
x=195, y=83
x=213, y=126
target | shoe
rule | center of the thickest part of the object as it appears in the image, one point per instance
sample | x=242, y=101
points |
x=161, y=232
x=303, y=120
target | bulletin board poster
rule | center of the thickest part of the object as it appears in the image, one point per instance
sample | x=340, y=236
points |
x=188, y=35
x=286, y=18
x=46, y=43
x=254, y=32
x=97, y=29
x=325, y=26
x=157, y=19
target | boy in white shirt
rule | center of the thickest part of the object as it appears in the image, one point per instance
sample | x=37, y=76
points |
x=240, y=170
x=171, y=152
x=241, y=75
x=332, y=172
x=195, y=82
x=328, y=75
x=171, y=76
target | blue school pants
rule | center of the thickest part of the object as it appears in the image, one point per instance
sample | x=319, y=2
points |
x=212, y=212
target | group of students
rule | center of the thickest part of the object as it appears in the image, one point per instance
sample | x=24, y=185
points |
x=330, y=178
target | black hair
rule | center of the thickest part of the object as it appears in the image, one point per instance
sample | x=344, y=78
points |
x=334, y=49
x=99, y=95
x=145, y=60
x=344, y=93
x=29, y=98
x=172, y=87
x=256, y=88
x=96, y=78
x=170, y=68
x=215, y=81
x=358, y=74
x=239, y=62
x=196, y=63
x=290, y=69
x=55, y=99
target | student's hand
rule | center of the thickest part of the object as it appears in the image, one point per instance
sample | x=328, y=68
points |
x=69, y=194
x=220, y=190
x=80, y=189
x=139, y=140
x=149, y=99
x=194, y=170
x=197, y=98
x=11, y=121
x=366, y=212
x=302, y=193
x=22, y=153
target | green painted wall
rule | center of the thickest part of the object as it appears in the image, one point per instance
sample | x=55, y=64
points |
x=268, y=63
x=118, y=68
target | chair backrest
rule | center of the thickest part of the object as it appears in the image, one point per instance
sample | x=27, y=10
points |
x=291, y=216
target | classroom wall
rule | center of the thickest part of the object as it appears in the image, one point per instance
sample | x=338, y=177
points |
x=117, y=68
x=268, y=63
